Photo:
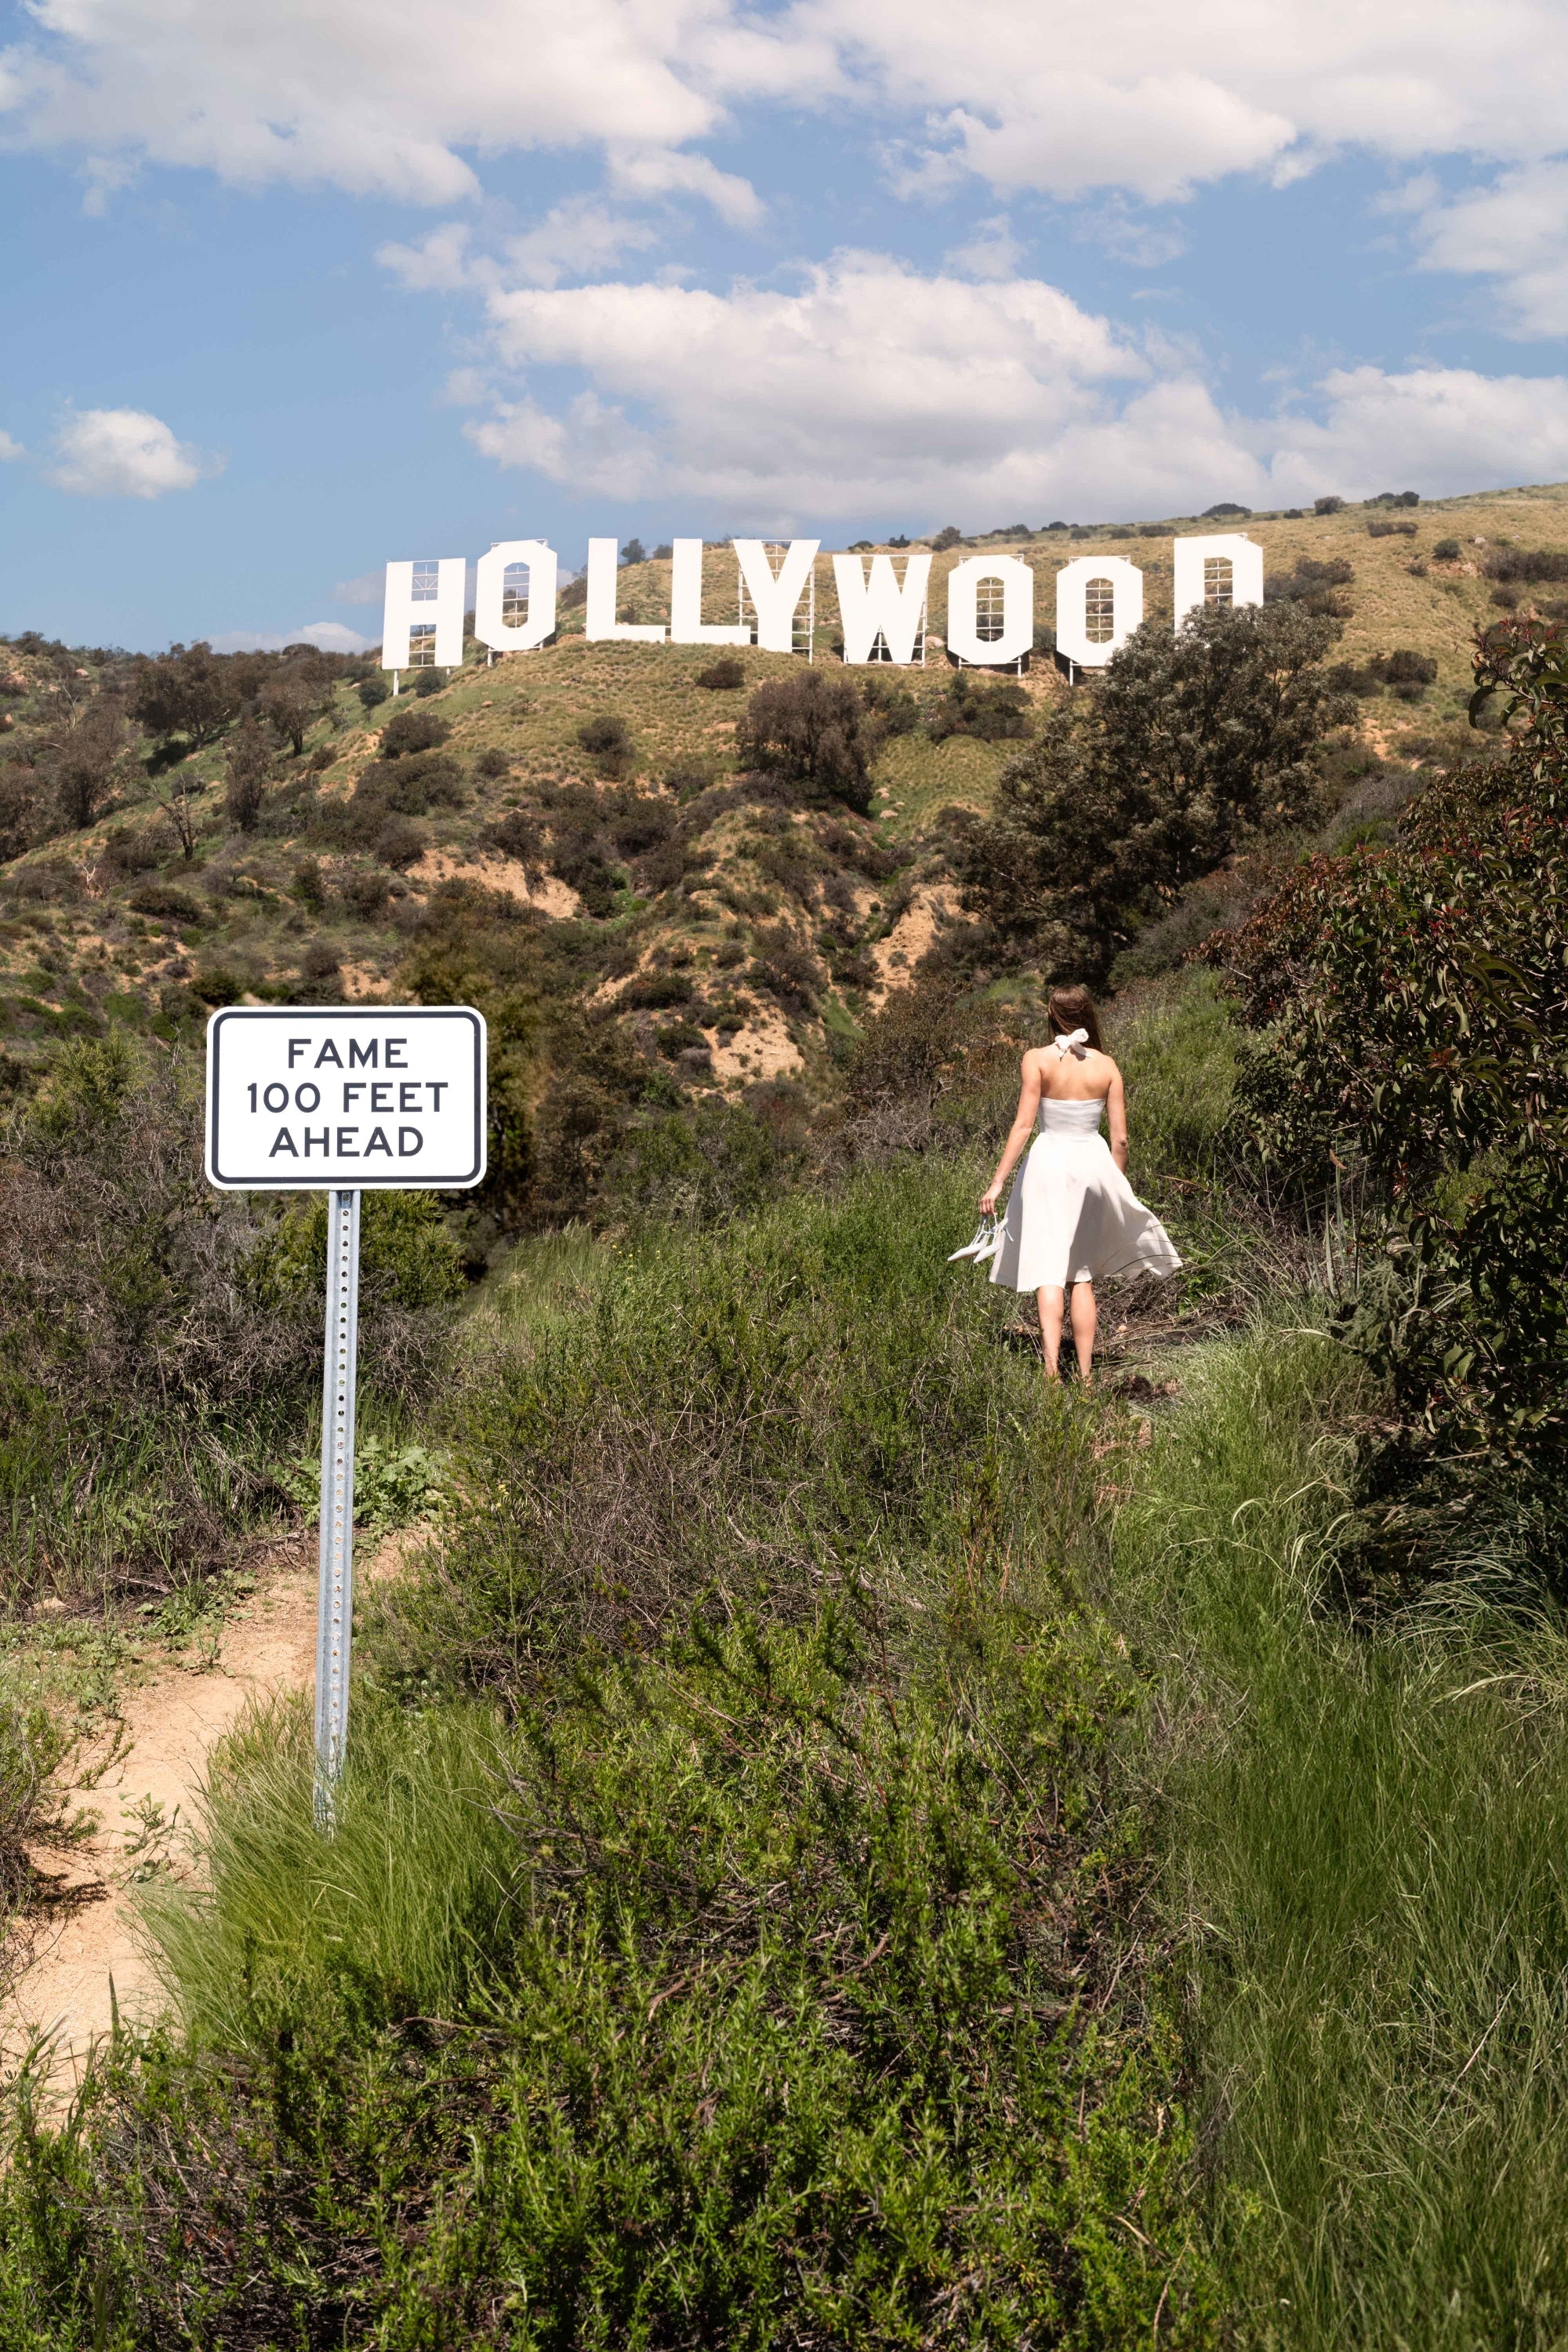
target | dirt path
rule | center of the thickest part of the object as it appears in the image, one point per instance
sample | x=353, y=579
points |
x=83, y=1940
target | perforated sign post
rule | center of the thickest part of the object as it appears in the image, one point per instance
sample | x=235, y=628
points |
x=342, y=1099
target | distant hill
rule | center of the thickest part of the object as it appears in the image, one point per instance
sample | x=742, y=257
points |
x=724, y=936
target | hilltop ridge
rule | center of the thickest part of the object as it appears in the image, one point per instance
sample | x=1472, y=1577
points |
x=579, y=833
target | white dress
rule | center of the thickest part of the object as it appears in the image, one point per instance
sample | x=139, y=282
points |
x=1073, y=1216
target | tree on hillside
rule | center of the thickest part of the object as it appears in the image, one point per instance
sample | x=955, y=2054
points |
x=189, y=691
x=249, y=767
x=85, y=759
x=816, y=732
x=177, y=801
x=295, y=695
x=1148, y=779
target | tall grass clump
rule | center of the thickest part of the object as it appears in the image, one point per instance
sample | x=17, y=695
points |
x=730, y=1937
x=1366, y=1831
x=810, y=1401
x=161, y=1342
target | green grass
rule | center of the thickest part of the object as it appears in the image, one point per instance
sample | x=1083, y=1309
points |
x=1366, y=1835
x=727, y=1938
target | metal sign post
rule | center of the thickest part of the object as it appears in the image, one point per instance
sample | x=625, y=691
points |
x=335, y=1602
x=343, y=1099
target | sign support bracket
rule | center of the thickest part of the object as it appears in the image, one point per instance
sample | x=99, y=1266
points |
x=335, y=1604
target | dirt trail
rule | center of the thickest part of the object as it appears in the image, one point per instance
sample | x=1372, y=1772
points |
x=83, y=1939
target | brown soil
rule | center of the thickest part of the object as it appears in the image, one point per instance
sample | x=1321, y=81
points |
x=82, y=1955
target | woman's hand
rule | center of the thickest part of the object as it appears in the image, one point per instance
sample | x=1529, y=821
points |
x=988, y=1200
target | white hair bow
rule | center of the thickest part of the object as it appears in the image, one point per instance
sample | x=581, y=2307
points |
x=1073, y=1044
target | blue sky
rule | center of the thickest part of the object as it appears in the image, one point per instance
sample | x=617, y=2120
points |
x=303, y=290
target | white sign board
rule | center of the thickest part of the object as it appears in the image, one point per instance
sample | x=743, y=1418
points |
x=338, y=1097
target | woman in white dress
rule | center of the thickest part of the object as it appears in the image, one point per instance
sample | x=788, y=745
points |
x=1073, y=1219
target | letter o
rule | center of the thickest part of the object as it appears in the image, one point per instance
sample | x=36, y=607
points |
x=314, y=1093
x=964, y=637
x=1125, y=582
x=281, y=1092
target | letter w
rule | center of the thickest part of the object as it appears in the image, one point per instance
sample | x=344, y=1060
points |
x=883, y=606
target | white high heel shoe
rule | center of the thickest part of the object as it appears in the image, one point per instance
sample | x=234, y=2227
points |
x=986, y=1243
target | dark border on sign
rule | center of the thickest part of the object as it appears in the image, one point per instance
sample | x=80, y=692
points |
x=393, y=1182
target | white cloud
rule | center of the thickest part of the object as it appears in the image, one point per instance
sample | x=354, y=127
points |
x=9, y=449
x=398, y=100
x=877, y=390
x=1515, y=231
x=991, y=252
x=1156, y=100
x=576, y=239
x=123, y=453
x=389, y=100
x=646, y=171
x=438, y=263
x=328, y=637
x=1125, y=237
x=871, y=380
x=1437, y=430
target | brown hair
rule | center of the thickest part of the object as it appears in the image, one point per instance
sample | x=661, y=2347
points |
x=1073, y=1008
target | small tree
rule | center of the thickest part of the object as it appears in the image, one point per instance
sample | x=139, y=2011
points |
x=249, y=767
x=189, y=691
x=633, y=551
x=816, y=732
x=178, y=801
x=294, y=698
x=86, y=759
x=1188, y=745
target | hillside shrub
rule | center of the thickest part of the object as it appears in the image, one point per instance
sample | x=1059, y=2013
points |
x=723, y=676
x=653, y=991
x=786, y=973
x=1392, y=530
x=372, y=692
x=1447, y=550
x=246, y=770
x=813, y=731
x=131, y=852
x=493, y=762
x=428, y=682
x=993, y=713
x=399, y=842
x=1515, y=564
x=1317, y=587
x=1187, y=747
x=151, y=1374
x=412, y=731
x=607, y=739
x=168, y=902
x=364, y=891
x=189, y=693
x=1413, y=1031
x=639, y=821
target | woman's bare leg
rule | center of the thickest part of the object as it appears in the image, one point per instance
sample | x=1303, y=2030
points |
x=1052, y=1302
x=1085, y=1322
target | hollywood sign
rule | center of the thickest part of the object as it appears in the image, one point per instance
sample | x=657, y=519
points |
x=989, y=601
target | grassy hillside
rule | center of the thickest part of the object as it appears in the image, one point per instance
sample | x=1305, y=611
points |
x=635, y=862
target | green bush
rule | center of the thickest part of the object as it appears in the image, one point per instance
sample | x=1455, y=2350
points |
x=1411, y=1046
x=760, y=1982
x=412, y=731
x=1189, y=746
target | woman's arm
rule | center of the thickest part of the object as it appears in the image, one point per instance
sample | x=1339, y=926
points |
x=1116, y=1113
x=1022, y=1129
